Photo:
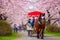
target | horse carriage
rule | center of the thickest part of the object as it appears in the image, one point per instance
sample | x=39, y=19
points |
x=39, y=26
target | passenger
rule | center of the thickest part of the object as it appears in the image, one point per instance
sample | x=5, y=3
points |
x=29, y=27
x=33, y=21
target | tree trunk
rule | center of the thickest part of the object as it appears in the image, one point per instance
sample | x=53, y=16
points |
x=49, y=21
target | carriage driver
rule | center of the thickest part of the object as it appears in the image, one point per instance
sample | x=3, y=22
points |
x=33, y=20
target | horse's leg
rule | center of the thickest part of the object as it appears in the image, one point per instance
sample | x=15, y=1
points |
x=37, y=34
x=42, y=34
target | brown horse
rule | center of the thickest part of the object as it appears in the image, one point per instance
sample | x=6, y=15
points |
x=40, y=28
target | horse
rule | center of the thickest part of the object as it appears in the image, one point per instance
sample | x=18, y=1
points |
x=39, y=28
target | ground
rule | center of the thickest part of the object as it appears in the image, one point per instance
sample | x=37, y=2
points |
x=25, y=37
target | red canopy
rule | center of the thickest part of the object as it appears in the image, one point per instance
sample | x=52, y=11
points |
x=35, y=13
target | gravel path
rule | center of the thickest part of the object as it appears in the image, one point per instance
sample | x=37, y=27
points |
x=25, y=37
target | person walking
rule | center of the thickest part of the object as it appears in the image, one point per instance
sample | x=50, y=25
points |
x=20, y=27
x=15, y=28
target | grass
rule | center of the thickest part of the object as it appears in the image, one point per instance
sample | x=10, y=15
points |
x=56, y=34
x=10, y=37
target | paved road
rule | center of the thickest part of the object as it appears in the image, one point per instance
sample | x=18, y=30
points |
x=25, y=37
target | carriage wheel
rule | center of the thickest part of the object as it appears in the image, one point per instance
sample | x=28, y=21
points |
x=30, y=33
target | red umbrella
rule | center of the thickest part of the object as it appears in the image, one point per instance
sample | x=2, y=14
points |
x=35, y=13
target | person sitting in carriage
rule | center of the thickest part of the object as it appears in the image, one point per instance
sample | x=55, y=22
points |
x=32, y=21
x=29, y=27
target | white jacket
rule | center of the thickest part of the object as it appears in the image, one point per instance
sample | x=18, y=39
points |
x=29, y=27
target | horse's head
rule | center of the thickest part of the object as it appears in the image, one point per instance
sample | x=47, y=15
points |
x=43, y=20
